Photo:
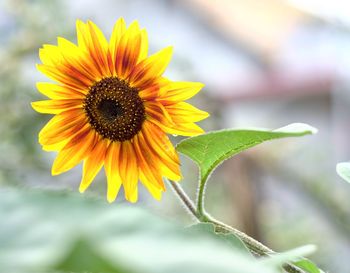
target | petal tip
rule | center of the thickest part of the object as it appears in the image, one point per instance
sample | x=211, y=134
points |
x=38, y=85
x=79, y=22
x=54, y=171
x=200, y=85
x=35, y=106
x=111, y=195
x=120, y=23
x=134, y=26
x=158, y=198
x=131, y=197
x=91, y=24
x=169, y=50
x=110, y=199
x=205, y=115
x=83, y=187
x=131, y=200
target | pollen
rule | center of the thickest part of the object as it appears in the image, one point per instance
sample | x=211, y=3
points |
x=114, y=109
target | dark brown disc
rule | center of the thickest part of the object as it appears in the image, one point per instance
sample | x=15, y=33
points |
x=114, y=109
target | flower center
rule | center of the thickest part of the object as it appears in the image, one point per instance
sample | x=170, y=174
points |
x=110, y=109
x=114, y=109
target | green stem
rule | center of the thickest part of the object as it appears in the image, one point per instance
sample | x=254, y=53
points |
x=200, y=197
x=200, y=214
x=181, y=194
x=253, y=245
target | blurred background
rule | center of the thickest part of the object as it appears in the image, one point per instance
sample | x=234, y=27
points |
x=264, y=63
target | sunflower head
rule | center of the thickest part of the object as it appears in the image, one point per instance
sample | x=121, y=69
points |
x=113, y=108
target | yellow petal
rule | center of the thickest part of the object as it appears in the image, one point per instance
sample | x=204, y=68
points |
x=114, y=180
x=56, y=106
x=100, y=48
x=184, y=112
x=68, y=61
x=83, y=36
x=61, y=119
x=55, y=91
x=157, y=110
x=68, y=48
x=128, y=170
x=151, y=92
x=187, y=129
x=182, y=129
x=61, y=127
x=144, y=46
x=179, y=91
x=162, y=149
x=118, y=31
x=162, y=144
x=151, y=68
x=128, y=50
x=92, y=41
x=55, y=147
x=165, y=164
x=159, y=115
x=67, y=79
x=155, y=191
x=50, y=55
x=74, y=151
x=78, y=59
x=145, y=163
x=58, y=134
x=93, y=164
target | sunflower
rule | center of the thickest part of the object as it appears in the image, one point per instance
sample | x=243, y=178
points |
x=113, y=108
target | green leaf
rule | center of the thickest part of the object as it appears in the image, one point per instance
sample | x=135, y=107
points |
x=211, y=149
x=343, y=169
x=308, y=266
x=45, y=231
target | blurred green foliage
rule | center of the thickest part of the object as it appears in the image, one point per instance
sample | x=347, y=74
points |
x=45, y=231
x=27, y=25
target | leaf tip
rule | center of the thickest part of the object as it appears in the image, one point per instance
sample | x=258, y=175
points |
x=343, y=170
x=298, y=128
